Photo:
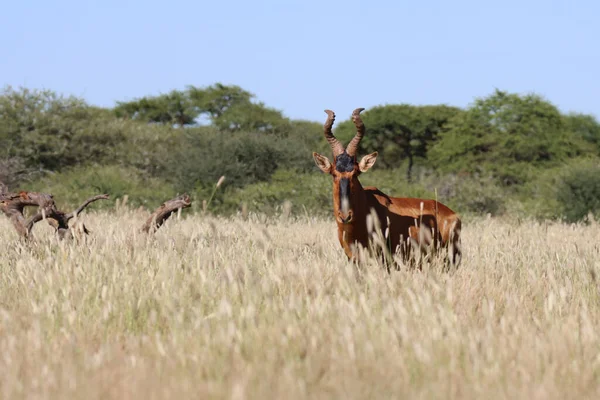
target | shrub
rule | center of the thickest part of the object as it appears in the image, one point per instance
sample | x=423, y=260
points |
x=579, y=190
x=506, y=134
x=470, y=194
x=464, y=194
x=567, y=192
x=307, y=192
x=206, y=154
x=50, y=132
x=72, y=187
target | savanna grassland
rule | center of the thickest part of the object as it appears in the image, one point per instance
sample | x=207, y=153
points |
x=270, y=308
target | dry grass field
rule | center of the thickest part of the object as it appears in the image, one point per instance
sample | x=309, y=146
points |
x=270, y=308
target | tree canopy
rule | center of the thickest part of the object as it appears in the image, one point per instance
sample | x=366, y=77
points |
x=186, y=139
x=401, y=132
x=230, y=108
x=506, y=135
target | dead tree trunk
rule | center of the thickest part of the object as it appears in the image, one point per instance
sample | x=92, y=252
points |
x=13, y=205
x=162, y=213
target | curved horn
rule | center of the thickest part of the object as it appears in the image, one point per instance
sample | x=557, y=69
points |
x=360, y=131
x=335, y=144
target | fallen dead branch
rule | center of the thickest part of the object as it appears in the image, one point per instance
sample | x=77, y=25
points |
x=13, y=206
x=162, y=213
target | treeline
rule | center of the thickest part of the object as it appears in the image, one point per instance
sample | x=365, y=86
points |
x=504, y=153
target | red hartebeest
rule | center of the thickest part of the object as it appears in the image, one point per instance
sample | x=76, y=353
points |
x=408, y=222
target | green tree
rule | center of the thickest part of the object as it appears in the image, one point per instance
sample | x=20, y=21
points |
x=231, y=108
x=400, y=132
x=252, y=117
x=204, y=154
x=216, y=99
x=174, y=108
x=578, y=191
x=585, y=126
x=42, y=131
x=310, y=133
x=506, y=135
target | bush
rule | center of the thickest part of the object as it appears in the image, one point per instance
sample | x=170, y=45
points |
x=464, y=194
x=206, y=154
x=507, y=135
x=579, y=190
x=538, y=198
x=568, y=192
x=469, y=194
x=50, y=132
x=12, y=171
x=307, y=192
x=393, y=182
x=313, y=192
x=72, y=187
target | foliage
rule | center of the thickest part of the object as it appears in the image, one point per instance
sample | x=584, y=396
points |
x=205, y=154
x=585, y=126
x=506, y=135
x=148, y=148
x=461, y=193
x=38, y=126
x=252, y=117
x=307, y=192
x=42, y=131
x=400, y=132
x=394, y=183
x=217, y=99
x=468, y=195
x=579, y=191
x=174, y=108
x=12, y=171
x=229, y=108
x=73, y=186
x=505, y=153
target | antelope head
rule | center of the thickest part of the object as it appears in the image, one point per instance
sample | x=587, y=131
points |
x=344, y=169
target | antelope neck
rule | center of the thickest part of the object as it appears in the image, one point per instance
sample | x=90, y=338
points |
x=356, y=230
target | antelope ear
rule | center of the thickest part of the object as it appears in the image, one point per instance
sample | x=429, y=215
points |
x=322, y=162
x=367, y=162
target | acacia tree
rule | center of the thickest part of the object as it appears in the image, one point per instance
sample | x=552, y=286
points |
x=401, y=132
x=506, y=134
x=216, y=99
x=174, y=108
x=43, y=131
x=585, y=126
x=229, y=108
x=252, y=117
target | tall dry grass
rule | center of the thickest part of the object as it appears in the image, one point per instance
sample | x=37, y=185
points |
x=228, y=308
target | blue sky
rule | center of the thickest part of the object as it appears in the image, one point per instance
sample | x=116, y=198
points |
x=304, y=56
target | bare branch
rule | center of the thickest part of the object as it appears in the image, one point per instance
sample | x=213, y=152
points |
x=34, y=219
x=13, y=206
x=85, y=204
x=162, y=213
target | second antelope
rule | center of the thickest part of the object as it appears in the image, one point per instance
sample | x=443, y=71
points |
x=419, y=224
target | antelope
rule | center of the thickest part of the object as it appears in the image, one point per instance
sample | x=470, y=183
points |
x=408, y=222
